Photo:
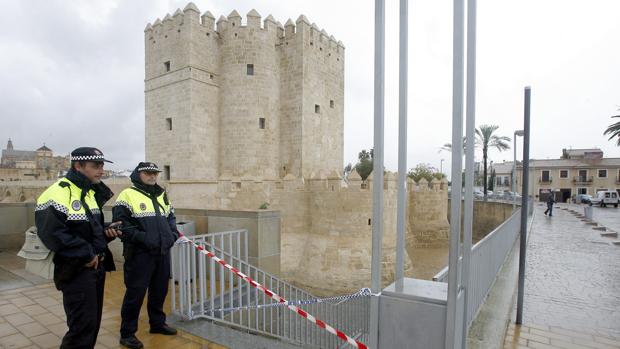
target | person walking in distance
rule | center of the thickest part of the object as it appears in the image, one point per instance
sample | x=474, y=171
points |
x=550, y=202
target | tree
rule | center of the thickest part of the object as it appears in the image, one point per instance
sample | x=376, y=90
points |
x=364, y=165
x=425, y=171
x=613, y=130
x=486, y=138
x=448, y=146
x=347, y=169
x=492, y=181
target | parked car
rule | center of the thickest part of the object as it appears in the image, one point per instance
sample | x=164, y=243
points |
x=582, y=199
x=604, y=198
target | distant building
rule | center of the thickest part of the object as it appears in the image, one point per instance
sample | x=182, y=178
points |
x=577, y=171
x=41, y=164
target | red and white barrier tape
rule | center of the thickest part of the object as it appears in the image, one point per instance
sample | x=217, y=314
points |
x=275, y=296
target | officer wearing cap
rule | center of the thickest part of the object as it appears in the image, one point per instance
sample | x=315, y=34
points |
x=69, y=222
x=150, y=233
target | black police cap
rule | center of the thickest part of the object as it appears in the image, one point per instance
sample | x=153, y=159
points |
x=148, y=167
x=88, y=154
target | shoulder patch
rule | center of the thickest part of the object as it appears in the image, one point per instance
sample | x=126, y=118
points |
x=142, y=206
x=76, y=205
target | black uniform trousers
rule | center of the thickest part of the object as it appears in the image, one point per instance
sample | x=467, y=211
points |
x=144, y=271
x=82, y=297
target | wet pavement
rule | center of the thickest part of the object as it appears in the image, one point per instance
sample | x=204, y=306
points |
x=32, y=314
x=572, y=288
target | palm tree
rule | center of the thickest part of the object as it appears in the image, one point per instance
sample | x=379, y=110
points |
x=448, y=146
x=614, y=130
x=486, y=138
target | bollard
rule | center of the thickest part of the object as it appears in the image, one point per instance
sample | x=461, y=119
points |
x=587, y=212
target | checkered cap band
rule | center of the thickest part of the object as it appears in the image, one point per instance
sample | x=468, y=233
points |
x=149, y=168
x=87, y=158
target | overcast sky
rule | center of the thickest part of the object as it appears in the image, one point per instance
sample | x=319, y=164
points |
x=72, y=72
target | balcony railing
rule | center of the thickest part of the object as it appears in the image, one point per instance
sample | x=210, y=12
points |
x=583, y=179
x=545, y=180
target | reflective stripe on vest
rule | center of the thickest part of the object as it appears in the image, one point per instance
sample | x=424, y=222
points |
x=66, y=199
x=141, y=205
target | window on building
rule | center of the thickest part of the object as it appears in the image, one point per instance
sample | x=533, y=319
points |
x=582, y=191
x=261, y=123
x=250, y=69
x=545, y=176
x=167, y=66
x=167, y=172
x=331, y=103
x=317, y=108
x=563, y=173
x=169, y=124
x=602, y=173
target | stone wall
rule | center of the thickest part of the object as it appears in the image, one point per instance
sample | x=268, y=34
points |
x=325, y=223
x=15, y=218
x=488, y=215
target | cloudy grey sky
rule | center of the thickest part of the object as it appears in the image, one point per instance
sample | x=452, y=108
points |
x=68, y=67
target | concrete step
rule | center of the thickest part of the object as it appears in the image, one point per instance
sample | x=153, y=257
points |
x=592, y=224
x=617, y=242
x=610, y=234
x=600, y=228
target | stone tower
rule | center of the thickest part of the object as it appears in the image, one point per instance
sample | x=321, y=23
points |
x=229, y=99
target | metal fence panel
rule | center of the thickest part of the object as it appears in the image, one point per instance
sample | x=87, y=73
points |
x=212, y=292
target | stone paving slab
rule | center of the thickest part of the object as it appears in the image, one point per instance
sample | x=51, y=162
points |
x=33, y=316
x=550, y=337
x=572, y=283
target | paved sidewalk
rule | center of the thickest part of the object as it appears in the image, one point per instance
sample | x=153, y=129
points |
x=572, y=288
x=33, y=316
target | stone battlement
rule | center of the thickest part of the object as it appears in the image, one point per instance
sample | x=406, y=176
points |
x=233, y=22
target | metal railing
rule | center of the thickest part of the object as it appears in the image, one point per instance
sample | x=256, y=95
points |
x=583, y=179
x=208, y=290
x=545, y=180
x=487, y=257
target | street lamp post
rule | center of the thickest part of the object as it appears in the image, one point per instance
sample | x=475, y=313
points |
x=514, y=168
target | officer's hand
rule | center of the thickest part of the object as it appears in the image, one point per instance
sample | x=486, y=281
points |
x=93, y=264
x=111, y=232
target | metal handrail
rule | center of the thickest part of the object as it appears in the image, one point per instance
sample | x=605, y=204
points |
x=208, y=290
x=487, y=257
x=547, y=180
x=583, y=179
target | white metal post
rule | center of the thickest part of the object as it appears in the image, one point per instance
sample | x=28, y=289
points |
x=377, y=190
x=514, y=169
x=469, y=161
x=457, y=168
x=402, y=143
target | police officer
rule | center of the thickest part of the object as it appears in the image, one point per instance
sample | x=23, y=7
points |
x=69, y=221
x=150, y=232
